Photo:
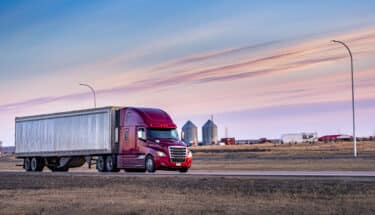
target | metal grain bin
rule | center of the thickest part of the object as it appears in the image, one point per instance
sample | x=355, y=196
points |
x=209, y=131
x=190, y=132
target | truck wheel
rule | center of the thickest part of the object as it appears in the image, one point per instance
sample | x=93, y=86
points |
x=100, y=164
x=184, y=170
x=150, y=164
x=111, y=164
x=27, y=164
x=37, y=164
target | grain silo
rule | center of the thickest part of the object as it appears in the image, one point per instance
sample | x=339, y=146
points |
x=209, y=131
x=190, y=133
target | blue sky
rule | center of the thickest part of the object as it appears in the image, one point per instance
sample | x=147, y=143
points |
x=193, y=59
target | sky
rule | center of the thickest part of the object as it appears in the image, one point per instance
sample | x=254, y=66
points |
x=261, y=68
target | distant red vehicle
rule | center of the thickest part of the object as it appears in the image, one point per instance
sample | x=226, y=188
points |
x=228, y=140
x=335, y=137
x=129, y=138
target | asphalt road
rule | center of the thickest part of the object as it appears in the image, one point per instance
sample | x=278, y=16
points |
x=213, y=173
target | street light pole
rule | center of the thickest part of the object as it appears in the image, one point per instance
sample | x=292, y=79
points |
x=353, y=105
x=92, y=90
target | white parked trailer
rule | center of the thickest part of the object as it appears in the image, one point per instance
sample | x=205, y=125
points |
x=84, y=132
x=299, y=137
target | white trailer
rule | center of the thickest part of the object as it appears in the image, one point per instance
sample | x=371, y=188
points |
x=299, y=137
x=68, y=134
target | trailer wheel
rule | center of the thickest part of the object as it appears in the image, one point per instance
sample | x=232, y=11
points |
x=100, y=164
x=27, y=164
x=150, y=164
x=37, y=164
x=111, y=164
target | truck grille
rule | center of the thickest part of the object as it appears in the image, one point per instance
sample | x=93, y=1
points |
x=177, y=153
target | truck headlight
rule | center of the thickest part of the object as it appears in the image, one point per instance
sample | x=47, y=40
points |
x=161, y=154
x=189, y=154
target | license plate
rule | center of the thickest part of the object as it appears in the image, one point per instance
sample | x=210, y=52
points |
x=178, y=164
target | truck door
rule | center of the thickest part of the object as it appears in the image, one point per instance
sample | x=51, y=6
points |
x=129, y=135
x=130, y=140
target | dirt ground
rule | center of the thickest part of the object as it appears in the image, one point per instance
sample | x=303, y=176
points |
x=28, y=193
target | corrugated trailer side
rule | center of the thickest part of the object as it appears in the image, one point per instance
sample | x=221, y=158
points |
x=84, y=132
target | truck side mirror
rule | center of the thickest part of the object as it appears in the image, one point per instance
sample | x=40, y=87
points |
x=182, y=135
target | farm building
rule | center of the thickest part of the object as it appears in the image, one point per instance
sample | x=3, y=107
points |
x=299, y=138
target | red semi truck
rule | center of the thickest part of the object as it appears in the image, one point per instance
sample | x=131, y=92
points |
x=129, y=138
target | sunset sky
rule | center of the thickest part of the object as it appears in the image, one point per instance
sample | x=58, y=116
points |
x=262, y=68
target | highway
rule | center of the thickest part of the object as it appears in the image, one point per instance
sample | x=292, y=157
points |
x=210, y=173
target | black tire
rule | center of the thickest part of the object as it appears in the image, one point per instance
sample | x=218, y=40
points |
x=37, y=164
x=150, y=164
x=27, y=164
x=183, y=170
x=100, y=164
x=111, y=164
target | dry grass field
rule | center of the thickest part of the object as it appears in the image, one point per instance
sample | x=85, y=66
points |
x=318, y=156
x=50, y=193
x=27, y=193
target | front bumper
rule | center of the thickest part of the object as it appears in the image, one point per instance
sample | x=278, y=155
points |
x=164, y=163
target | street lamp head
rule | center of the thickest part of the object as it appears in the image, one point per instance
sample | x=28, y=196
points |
x=92, y=89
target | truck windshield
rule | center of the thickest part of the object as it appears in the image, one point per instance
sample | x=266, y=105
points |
x=162, y=133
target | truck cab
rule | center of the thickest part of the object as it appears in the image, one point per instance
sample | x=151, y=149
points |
x=148, y=140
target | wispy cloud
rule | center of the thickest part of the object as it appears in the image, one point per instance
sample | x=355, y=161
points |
x=290, y=59
x=214, y=54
